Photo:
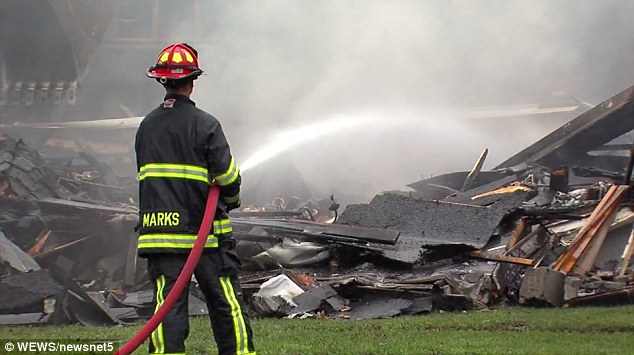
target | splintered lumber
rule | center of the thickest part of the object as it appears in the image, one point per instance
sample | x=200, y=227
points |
x=603, y=214
x=39, y=244
x=587, y=254
x=504, y=258
x=517, y=233
x=475, y=171
x=565, y=260
x=627, y=254
x=56, y=204
x=503, y=190
x=568, y=259
x=586, y=261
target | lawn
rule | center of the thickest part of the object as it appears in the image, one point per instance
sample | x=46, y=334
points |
x=501, y=331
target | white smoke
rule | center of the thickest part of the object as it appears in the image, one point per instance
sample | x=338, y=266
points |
x=282, y=64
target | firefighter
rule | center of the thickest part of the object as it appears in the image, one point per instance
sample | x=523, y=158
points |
x=180, y=151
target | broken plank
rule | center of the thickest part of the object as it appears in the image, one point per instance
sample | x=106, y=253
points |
x=601, y=213
x=562, y=228
x=61, y=203
x=87, y=308
x=266, y=214
x=39, y=244
x=627, y=254
x=612, y=298
x=586, y=261
x=466, y=196
x=317, y=229
x=596, y=234
x=375, y=235
x=24, y=318
x=504, y=258
x=62, y=247
x=590, y=130
x=473, y=174
x=519, y=230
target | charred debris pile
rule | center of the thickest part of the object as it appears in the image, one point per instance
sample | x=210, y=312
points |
x=550, y=226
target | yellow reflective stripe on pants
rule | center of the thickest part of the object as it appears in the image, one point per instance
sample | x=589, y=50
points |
x=157, y=335
x=163, y=240
x=236, y=314
x=228, y=176
x=179, y=171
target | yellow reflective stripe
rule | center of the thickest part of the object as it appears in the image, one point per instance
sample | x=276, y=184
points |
x=173, y=241
x=173, y=246
x=173, y=166
x=231, y=199
x=156, y=295
x=173, y=175
x=222, y=226
x=169, y=170
x=239, y=325
x=228, y=176
x=160, y=326
x=157, y=334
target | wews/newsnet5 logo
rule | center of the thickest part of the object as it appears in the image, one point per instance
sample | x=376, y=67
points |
x=58, y=347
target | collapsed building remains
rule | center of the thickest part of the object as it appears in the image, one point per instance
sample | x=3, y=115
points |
x=551, y=225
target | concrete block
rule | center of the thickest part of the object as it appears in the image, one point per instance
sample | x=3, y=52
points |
x=571, y=287
x=542, y=286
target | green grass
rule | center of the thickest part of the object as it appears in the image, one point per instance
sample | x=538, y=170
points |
x=502, y=331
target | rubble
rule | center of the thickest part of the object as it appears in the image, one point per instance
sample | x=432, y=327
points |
x=23, y=291
x=550, y=226
x=59, y=245
x=542, y=285
x=430, y=223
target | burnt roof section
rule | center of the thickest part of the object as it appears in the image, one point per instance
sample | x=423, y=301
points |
x=591, y=130
x=436, y=223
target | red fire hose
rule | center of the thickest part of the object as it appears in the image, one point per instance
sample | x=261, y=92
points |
x=183, y=277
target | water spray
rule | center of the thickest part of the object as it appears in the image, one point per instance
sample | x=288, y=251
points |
x=298, y=136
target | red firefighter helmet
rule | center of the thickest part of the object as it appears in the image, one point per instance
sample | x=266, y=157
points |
x=176, y=61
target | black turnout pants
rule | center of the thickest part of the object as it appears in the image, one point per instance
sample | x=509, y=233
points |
x=217, y=276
